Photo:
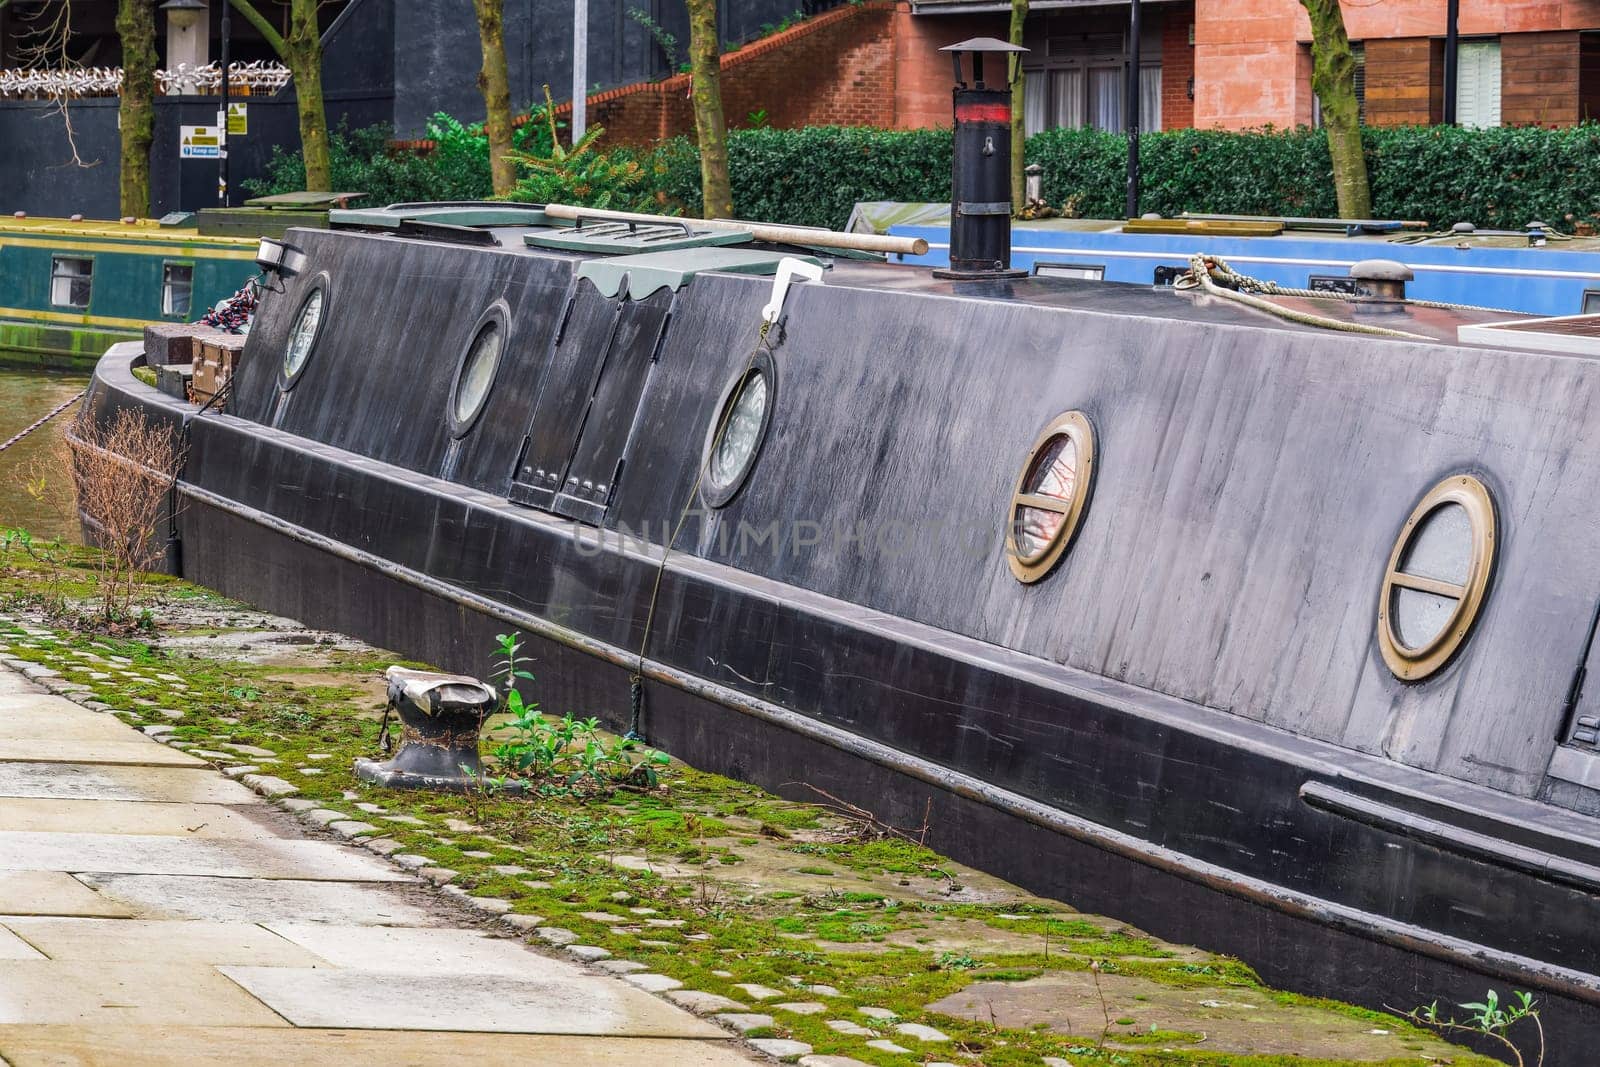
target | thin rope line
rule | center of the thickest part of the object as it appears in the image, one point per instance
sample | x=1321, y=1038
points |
x=636, y=682
x=64, y=405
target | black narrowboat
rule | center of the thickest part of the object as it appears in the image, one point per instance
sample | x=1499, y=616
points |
x=1261, y=623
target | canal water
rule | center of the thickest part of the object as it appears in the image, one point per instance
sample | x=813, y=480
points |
x=35, y=482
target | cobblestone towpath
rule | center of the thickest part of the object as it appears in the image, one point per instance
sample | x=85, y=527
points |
x=152, y=911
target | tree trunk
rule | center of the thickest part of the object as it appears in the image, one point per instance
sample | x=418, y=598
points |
x=136, y=26
x=1333, y=77
x=301, y=52
x=705, y=66
x=495, y=84
x=1019, y=186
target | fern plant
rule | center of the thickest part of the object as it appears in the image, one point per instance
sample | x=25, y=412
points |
x=582, y=174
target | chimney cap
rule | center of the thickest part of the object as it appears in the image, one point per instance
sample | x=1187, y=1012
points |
x=1381, y=270
x=983, y=44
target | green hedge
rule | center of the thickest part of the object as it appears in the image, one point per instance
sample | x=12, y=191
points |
x=1495, y=178
x=814, y=176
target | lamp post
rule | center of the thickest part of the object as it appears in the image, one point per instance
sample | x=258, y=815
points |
x=980, y=185
x=222, y=115
x=188, y=41
x=1133, y=110
x=1452, y=17
x=580, y=68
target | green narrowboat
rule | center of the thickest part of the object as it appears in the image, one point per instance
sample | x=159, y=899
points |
x=70, y=288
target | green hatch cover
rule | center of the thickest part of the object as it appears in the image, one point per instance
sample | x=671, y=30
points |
x=303, y=200
x=390, y=218
x=642, y=275
x=629, y=238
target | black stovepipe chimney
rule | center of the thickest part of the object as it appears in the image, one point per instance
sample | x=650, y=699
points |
x=980, y=180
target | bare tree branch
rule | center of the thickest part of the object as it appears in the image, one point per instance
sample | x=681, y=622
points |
x=259, y=21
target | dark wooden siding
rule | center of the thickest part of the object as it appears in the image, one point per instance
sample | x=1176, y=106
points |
x=1405, y=81
x=1539, y=76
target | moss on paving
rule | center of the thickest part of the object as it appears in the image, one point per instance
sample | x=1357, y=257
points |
x=850, y=919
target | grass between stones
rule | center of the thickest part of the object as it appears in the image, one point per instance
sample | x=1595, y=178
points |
x=706, y=880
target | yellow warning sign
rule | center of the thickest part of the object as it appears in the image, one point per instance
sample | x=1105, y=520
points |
x=198, y=142
x=238, y=120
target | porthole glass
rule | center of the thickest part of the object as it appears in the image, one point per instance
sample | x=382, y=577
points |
x=735, y=436
x=739, y=439
x=1436, y=578
x=477, y=374
x=303, y=336
x=1049, y=499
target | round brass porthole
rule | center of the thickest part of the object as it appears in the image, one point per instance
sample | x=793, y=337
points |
x=1436, y=578
x=1050, y=496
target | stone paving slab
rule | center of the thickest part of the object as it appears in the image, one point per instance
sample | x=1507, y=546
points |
x=159, y=896
x=48, y=814
x=12, y=682
x=108, y=782
x=45, y=718
x=116, y=994
x=148, y=1046
x=54, y=893
x=155, y=854
x=168, y=940
x=409, y=950
x=482, y=1003
x=140, y=753
x=13, y=947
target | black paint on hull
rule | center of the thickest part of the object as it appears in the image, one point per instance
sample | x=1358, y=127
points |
x=1187, y=727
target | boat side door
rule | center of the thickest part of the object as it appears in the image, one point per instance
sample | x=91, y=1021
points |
x=573, y=456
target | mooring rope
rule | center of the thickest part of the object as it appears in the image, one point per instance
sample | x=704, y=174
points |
x=58, y=409
x=1246, y=283
x=636, y=682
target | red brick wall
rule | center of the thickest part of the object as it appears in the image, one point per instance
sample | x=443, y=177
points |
x=836, y=69
x=1247, y=72
x=1177, y=67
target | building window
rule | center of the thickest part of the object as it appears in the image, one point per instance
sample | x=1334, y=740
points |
x=1072, y=97
x=177, y=289
x=71, y=281
x=1478, y=83
x=1358, y=52
x=1437, y=576
x=1076, y=73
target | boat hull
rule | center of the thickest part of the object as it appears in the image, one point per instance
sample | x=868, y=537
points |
x=1330, y=872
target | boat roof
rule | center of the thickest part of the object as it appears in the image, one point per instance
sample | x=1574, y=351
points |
x=880, y=216
x=145, y=231
x=615, y=257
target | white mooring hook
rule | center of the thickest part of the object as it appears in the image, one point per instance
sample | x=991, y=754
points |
x=788, y=268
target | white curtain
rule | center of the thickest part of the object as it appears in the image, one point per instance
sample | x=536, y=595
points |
x=1066, y=98
x=1035, y=101
x=1105, y=98
x=1149, y=98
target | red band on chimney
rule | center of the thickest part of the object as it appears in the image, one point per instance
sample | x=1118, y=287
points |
x=1000, y=113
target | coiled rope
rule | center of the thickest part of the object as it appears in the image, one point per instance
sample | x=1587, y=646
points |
x=58, y=409
x=1205, y=272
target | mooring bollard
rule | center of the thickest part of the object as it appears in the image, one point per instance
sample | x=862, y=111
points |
x=441, y=716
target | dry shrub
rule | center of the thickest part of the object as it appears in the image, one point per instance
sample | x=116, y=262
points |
x=123, y=470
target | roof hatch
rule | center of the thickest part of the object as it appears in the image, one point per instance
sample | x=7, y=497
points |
x=630, y=238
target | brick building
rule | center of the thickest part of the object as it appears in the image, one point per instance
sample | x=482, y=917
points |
x=1206, y=63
